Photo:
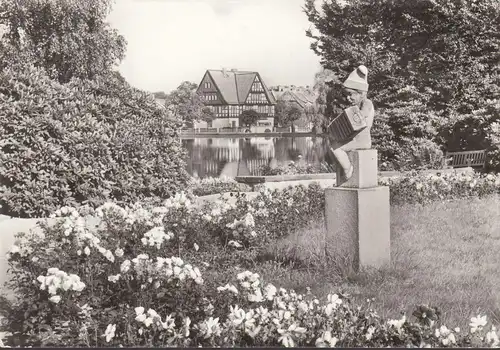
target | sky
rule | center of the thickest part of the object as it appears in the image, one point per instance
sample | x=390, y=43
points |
x=171, y=41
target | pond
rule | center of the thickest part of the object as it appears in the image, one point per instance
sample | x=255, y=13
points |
x=218, y=157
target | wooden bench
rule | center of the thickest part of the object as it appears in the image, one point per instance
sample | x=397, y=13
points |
x=463, y=159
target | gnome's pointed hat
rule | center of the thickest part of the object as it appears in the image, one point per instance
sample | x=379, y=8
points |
x=358, y=79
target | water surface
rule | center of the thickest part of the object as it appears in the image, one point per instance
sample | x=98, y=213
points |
x=231, y=157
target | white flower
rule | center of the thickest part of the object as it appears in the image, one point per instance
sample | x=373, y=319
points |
x=270, y=291
x=196, y=247
x=148, y=321
x=125, y=266
x=236, y=315
x=228, y=287
x=397, y=323
x=55, y=299
x=186, y=326
x=492, y=338
x=114, y=278
x=450, y=339
x=369, y=333
x=477, y=323
x=326, y=340
x=210, y=327
x=256, y=297
x=110, y=332
x=169, y=323
x=140, y=316
x=119, y=252
x=109, y=255
x=334, y=302
x=234, y=244
x=87, y=251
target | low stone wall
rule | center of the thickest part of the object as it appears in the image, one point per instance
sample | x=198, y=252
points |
x=255, y=180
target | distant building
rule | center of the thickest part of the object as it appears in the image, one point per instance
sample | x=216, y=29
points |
x=301, y=96
x=229, y=93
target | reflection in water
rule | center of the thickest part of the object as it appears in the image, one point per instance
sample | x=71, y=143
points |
x=244, y=156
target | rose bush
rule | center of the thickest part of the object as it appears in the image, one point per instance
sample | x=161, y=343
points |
x=148, y=276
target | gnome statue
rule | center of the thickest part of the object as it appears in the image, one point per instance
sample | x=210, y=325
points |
x=360, y=113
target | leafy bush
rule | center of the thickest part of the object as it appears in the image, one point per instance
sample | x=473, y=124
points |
x=421, y=188
x=207, y=186
x=83, y=142
x=128, y=282
x=417, y=154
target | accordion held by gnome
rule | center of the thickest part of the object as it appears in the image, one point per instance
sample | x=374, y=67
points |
x=347, y=125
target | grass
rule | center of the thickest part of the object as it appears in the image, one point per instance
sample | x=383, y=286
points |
x=443, y=254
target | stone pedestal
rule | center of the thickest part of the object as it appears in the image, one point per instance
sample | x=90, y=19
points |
x=358, y=216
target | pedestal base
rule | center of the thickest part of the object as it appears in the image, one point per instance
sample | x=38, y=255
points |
x=358, y=225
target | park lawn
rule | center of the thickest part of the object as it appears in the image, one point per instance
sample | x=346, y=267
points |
x=443, y=254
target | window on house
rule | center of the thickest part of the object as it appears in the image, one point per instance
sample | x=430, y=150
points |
x=208, y=85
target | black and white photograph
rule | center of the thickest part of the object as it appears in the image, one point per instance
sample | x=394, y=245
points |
x=250, y=173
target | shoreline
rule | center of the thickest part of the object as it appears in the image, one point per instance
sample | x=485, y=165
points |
x=247, y=135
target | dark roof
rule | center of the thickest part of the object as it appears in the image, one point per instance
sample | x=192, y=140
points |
x=235, y=86
x=301, y=96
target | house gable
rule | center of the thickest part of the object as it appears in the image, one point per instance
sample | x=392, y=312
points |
x=226, y=85
x=258, y=92
x=209, y=90
x=270, y=96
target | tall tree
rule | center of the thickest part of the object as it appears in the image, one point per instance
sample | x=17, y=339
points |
x=185, y=104
x=430, y=61
x=447, y=49
x=68, y=38
x=287, y=113
x=321, y=90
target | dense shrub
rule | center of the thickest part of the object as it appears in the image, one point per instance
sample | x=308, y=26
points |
x=207, y=186
x=416, y=154
x=130, y=282
x=82, y=142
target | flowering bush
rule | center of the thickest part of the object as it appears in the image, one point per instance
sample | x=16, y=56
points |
x=211, y=185
x=116, y=251
x=423, y=188
x=111, y=288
